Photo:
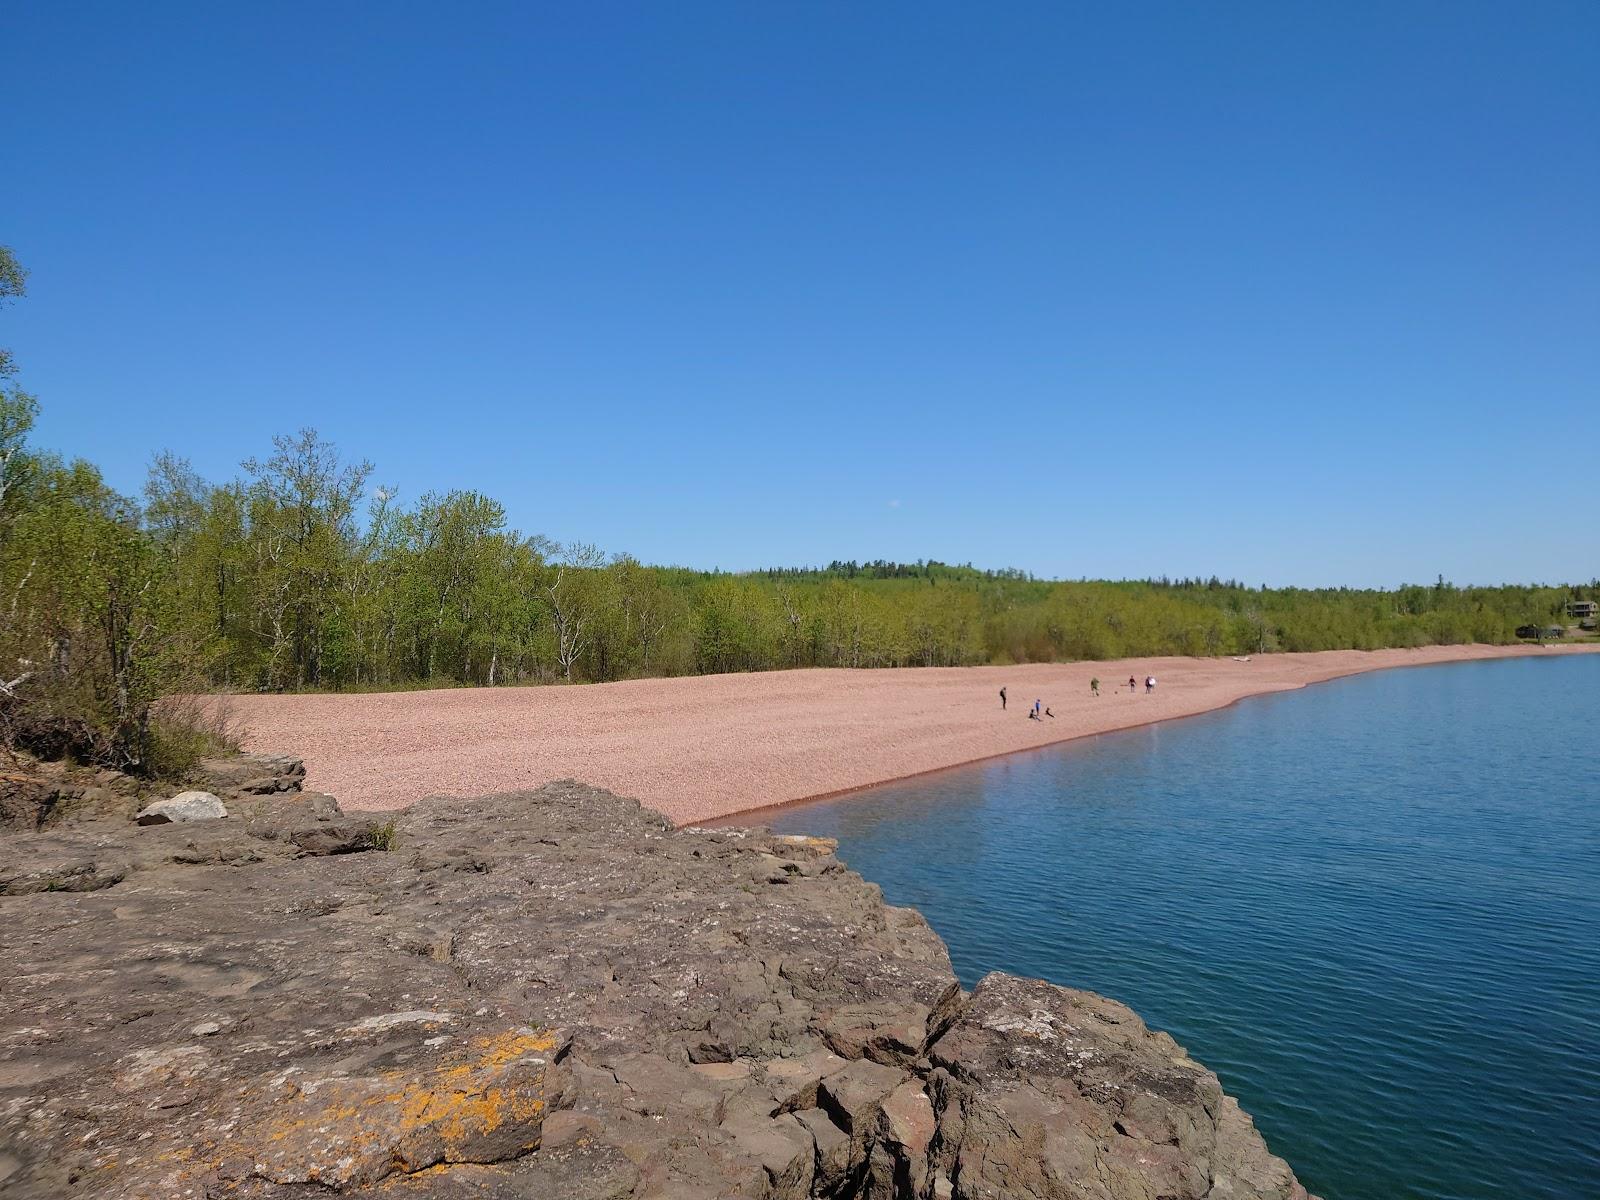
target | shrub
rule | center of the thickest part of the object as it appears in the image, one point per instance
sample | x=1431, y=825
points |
x=384, y=836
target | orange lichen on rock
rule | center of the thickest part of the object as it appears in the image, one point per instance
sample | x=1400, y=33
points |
x=481, y=1106
x=460, y=1108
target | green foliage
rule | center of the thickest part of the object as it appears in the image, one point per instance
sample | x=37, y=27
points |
x=17, y=408
x=185, y=728
x=13, y=284
x=174, y=749
x=271, y=582
x=88, y=606
x=384, y=836
x=87, y=610
x=278, y=580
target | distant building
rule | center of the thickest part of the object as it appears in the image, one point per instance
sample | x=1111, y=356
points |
x=1583, y=608
x=1541, y=631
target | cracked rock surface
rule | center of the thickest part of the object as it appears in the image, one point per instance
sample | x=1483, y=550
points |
x=548, y=994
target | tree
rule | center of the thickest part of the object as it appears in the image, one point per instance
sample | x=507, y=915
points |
x=1254, y=633
x=301, y=506
x=455, y=541
x=13, y=286
x=174, y=499
x=17, y=409
x=571, y=597
x=88, y=623
x=17, y=413
x=195, y=527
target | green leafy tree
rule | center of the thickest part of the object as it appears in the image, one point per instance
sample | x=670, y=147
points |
x=17, y=409
x=301, y=504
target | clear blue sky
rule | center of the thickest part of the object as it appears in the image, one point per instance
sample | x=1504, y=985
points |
x=1294, y=292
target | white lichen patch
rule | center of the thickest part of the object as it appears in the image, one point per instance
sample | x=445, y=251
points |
x=417, y=1016
x=1037, y=1024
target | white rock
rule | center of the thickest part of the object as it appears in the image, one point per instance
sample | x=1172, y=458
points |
x=185, y=806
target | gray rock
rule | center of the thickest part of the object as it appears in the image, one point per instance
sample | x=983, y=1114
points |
x=26, y=802
x=549, y=994
x=1051, y=1092
x=185, y=806
x=253, y=774
x=59, y=868
x=853, y=1096
x=29, y=803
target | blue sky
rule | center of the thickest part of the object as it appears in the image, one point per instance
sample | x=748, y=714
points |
x=1293, y=292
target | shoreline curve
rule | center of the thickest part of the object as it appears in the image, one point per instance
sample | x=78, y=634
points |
x=703, y=749
x=743, y=816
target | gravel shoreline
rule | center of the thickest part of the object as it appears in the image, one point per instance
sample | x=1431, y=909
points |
x=706, y=747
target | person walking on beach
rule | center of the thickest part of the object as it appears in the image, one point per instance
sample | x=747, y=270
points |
x=1037, y=705
x=1002, y=699
x=1149, y=683
x=1094, y=687
x=1133, y=684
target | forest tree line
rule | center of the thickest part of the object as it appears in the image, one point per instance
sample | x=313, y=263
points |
x=298, y=573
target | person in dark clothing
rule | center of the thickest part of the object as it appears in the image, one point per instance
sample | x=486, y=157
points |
x=1002, y=699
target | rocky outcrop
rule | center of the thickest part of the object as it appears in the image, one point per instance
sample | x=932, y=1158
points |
x=548, y=994
x=38, y=795
x=253, y=774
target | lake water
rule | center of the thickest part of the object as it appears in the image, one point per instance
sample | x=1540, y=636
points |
x=1372, y=907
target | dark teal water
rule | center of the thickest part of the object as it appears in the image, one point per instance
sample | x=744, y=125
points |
x=1372, y=907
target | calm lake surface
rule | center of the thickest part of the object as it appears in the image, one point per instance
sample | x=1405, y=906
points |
x=1372, y=907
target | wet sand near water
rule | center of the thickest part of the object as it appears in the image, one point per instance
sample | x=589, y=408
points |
x=710, y=746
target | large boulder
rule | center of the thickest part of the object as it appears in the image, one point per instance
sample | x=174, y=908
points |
x=185, y=806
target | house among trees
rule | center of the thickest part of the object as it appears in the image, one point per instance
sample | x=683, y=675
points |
x=1541, y=632
x=1583, y=609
